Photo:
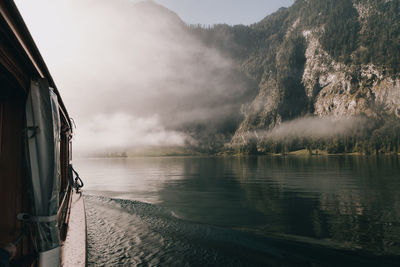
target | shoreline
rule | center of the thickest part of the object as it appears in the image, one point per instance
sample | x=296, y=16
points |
x=297, y=153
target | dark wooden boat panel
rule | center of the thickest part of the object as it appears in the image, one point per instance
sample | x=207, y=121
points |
x=21, y=62
x=13, y=182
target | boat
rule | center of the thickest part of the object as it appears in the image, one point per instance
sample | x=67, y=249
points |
x=41, y=205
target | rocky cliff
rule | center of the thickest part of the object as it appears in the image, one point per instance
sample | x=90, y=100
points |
x=335, y=59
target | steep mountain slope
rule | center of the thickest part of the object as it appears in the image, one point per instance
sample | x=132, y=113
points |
x=332, y=58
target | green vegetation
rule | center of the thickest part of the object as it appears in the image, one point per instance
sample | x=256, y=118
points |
x=348, y=38
x=375, y=137
x=271, y=53
x=351, y=39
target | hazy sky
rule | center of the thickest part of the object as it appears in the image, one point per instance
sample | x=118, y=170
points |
x=131, y=74
x=224, y=11
x=216, y=11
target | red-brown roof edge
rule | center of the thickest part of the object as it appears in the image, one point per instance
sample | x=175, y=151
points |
x=16, y=23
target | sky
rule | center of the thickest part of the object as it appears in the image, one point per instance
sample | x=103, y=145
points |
x=131, y=75
x=224, y=11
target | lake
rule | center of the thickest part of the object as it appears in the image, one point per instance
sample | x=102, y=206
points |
x=242, y=211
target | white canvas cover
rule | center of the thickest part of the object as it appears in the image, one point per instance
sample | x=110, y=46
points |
x=43, y=160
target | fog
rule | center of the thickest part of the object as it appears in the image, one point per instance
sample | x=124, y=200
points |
x=313, y=128
x=131, y=74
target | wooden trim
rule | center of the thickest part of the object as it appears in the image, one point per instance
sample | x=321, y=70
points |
x=10, y=65
x=25, y=45
x=11, y=23
x=21, y=62
x=62, y=214
x=1, y=124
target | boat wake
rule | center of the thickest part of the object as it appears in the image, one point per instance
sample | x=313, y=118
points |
x=125, y=232
x=133, y=233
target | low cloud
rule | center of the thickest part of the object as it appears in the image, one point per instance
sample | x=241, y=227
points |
x=133, y=72
x=308, y=128
x=119, y=132
x=314, y=128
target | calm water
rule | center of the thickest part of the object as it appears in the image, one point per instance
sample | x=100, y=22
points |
x=252, y=211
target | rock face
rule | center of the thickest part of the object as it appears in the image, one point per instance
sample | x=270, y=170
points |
x=317, y=58
x=329, y=60
x=340, y=90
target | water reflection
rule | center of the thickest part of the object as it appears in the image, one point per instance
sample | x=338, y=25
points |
x=136, y=179
x=351, y=202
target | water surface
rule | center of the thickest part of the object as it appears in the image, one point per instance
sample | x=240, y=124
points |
x=249, y=211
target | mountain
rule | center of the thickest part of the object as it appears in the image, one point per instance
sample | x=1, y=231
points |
x=331, y=60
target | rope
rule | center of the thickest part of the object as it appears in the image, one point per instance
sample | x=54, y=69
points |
x=78, y=183
x=15, y=243
x=25, y=232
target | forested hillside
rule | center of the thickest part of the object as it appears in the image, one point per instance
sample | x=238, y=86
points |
x=336, y=59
